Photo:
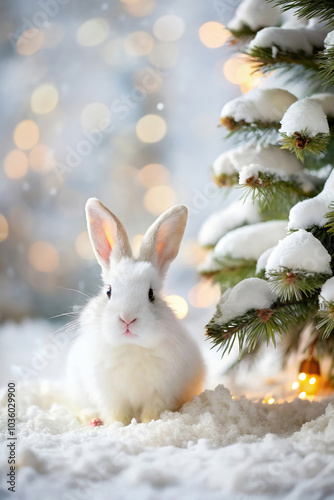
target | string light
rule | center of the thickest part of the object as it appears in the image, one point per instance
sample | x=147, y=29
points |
x=309, y=378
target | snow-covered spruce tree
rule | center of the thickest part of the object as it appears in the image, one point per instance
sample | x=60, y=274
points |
x=272, y=249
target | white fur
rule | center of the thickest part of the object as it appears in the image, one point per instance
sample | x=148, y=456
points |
x=159, y=367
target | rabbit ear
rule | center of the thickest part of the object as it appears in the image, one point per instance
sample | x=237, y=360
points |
x=107, y=234
x=162, y=240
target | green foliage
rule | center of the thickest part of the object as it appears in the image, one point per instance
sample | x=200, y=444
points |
x=323, y=9
x=256, y=326
x=225, y=180
x=272, y=191
x=330, y=217
x=290, y=284
x=325, y=317
x=267, y=59
x=300, y=142
x=232, y=271
x=326, y=65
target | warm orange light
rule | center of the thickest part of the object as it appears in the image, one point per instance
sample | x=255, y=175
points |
x=178, y=304
x=26, y=134
x=213, y=34
x=4, y=229
x=312, y=380
x=295, y=385
x=302, y=395
x=153, y=174
x=151, y=128
x=15, y=164
x=43, y=256
x=41, y=159
x=204, y=294
x=302, y=376
x=30, y=42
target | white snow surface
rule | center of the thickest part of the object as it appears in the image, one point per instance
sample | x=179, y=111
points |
x=270, y=157
x=255, y=14
x=305, y=114
x=327, y=291
x=329, y=40
x=251, y=293
x=263, y=259
x=249, y=242
x=326, y=100
x=209, y=264
x=265, y=105
x=296, y=39
x=215, y=448
x=236, y=214
x=300, y=251
x=311, y=212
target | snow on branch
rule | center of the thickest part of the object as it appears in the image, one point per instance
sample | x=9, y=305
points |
x=252, y=15
x=321, y=9
x=305, y=128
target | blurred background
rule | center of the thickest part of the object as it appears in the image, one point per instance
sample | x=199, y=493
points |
x=118, y=100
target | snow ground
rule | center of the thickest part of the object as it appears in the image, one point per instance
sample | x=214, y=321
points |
x=216, y=447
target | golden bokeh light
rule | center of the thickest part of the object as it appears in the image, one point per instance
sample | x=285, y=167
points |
x=192, y=253
x=151, y=128
x=295, y=385
x=153, y=174
x=44, y=99
x=240, y=71
x=93, y=32
x=139, y=8
x=158, y=199
x=4, y=228
x=302, y=376
x=26, y=134
x=43, y=257
x=30, y=42
x=135, y=244
x=204, y=294
x=138, y=43
x=83, y=246
x=312, y=380
x=168, y=28
x=213, y=34
x=163, y=55
x=302, y=395
x=15, y=164
x=41, y=159
x=95, y=116
x=178, y=304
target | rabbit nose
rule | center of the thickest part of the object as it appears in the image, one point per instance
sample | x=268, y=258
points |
x=127, y=321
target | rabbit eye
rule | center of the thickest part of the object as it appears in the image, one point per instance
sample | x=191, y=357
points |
x=150, y=295
x=109, y=291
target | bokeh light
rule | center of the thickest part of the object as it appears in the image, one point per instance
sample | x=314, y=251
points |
x=139, y=8
x=204, y=294
x=4, y=228
x=138, y=43
x=163, y=55
x=43, y=257
x=168, y=28
x=213, y=34
x=95, y=116
x=41, y=159
x=15, y=164
x=30, y=42
x=240, y=71
x=26, y=134
x=53, y=34
x=178, y=304
x=153, y=174
x=151, y=128
x=83, y=246
x=93, y=32
x=158, y=199
x=44, y=99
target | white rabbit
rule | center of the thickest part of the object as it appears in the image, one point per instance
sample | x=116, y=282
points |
x=132, y=357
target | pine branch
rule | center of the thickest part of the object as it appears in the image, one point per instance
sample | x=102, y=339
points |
x=267, y=59
x=322, y=9
x=225, y=180
x=271, y=191
x=300, y=142
x=291, y=284
x=263, y=132
x=326, y=65
x=325, y=319
x=232, y=271
x=330, y=217
x=256, y=326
